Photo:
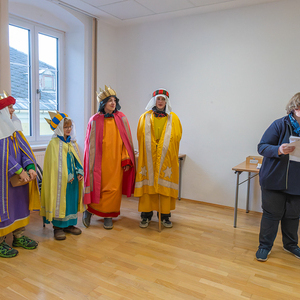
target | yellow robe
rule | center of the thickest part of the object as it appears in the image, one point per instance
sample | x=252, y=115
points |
x=158, y=167
x=55, y=178
x=114, y=153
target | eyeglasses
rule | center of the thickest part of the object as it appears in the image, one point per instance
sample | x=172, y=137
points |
x=69, y=127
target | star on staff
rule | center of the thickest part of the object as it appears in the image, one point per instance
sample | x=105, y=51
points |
x=168, y=172
x=144, y=171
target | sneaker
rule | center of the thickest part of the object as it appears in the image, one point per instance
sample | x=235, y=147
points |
x=6, y=251
x=108, y=224
x=295, y=251
x=73, y=230
x=24, y=242
x=144, y=223
x=86, y=218
x=167, y=223
x=59, y=234
x=262, y=254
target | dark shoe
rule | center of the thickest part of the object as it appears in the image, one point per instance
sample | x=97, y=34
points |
x=6, y=251
x=86, y=218
x=108, y=224
x=73, y=230
x=24, y=242
x=262, y=254
x=59, y=234
x=295, y=251
x=144, y=223
x=167, y=223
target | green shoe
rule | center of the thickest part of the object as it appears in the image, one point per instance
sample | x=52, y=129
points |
x=25, y=242
x=6, y=251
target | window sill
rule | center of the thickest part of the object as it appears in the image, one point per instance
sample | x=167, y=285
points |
x=38, y=148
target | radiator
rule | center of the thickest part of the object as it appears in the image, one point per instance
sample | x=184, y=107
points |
x=39, y=155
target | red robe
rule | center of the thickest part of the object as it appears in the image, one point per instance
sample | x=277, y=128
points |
x=93, y=157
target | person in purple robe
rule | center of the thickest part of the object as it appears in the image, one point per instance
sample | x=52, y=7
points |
x=16, y=157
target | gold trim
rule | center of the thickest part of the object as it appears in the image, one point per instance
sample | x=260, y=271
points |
x=92, y=154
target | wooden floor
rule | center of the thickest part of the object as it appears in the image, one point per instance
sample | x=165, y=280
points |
x=201, y=257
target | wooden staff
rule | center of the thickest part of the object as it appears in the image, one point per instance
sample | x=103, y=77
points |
x=159, y=214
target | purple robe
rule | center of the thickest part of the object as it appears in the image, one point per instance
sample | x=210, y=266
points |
x=14, y=201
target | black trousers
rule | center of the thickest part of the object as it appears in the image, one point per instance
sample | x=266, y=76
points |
x=279, y=207
x=148, y=215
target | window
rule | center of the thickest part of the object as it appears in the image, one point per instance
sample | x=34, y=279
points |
x=47, y=81
x=35, y=63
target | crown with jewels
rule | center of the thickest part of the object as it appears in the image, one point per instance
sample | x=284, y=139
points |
x=108, y=91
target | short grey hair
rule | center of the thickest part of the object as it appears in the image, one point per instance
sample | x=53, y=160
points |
x=293, y=103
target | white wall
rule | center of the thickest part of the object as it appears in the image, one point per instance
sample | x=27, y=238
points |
x=229, y=75
x=78, y=74
x=106, y=56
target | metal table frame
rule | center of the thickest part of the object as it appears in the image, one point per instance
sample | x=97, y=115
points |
x=243, y=167
x=181, y=157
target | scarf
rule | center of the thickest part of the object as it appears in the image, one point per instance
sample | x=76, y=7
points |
x=295, y=124
x=109, y=115
x=158, y=113
x=68, y=140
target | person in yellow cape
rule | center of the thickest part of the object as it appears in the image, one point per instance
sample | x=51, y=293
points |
x=157, y=177
x=62, y=184
x=15, y=201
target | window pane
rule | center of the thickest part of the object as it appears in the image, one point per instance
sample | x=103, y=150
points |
x=47, y=79
x=20, y=74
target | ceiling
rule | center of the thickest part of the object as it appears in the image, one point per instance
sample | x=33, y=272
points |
x=126, y=11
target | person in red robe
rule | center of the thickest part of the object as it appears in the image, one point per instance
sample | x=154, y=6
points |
x=108, y=160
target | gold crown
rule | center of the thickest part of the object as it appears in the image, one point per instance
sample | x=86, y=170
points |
x=105, y=93
x=52, y=115
x=5, y=95
x=56, y=117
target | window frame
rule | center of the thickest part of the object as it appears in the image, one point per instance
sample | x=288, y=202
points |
x=34, y=29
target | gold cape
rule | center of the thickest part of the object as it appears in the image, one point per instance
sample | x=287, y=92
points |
x=158, y=167
x=55, y=179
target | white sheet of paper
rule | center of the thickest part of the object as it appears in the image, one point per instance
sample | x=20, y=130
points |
x=295, y=141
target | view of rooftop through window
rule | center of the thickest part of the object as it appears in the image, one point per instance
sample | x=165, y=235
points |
x=33, y=78
x=19, y=67
x=47, y=79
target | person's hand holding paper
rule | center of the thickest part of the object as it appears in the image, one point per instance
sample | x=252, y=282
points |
x=295, y=142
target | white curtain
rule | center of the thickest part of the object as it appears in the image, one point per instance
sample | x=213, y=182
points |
x=5, y=83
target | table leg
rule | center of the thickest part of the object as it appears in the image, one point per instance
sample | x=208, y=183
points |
x=236, y=197
x=179, y=186
x=159, y=214
x=248, y=191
